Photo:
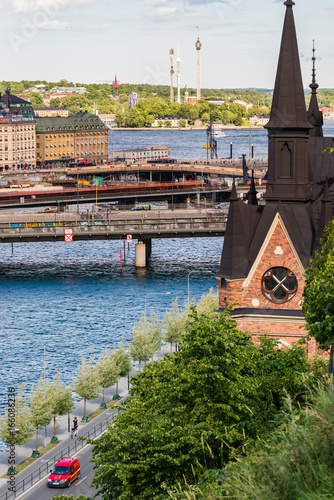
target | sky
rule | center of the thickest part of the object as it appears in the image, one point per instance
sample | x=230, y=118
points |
x=87, y=41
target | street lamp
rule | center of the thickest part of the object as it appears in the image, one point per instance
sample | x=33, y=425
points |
x=155, y=293
x=198, y=272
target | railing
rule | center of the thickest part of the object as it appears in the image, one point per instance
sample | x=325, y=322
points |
x=35, y=476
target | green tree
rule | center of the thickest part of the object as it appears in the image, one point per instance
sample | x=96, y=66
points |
x=123, y=362
x=149, y=120
x=180, y=412
x=55, y=103
x=109, y=371
x=36, y=100
x=63, y=401
x=182, y=122
x=16, y=426
x=168, y=123
x=41, y=406
x=87, y=384
x=205, y=117
x=141, y=347
x=208, y=303
x=318, y=305
x=175, y=323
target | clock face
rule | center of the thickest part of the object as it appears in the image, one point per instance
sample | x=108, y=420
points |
x=279, y=285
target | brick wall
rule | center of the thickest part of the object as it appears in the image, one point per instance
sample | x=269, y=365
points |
x=277, y=253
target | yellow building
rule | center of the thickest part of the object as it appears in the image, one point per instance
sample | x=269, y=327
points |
x=49, y=112
x=61, y=140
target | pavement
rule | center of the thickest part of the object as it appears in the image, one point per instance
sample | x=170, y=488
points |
x=24, y=452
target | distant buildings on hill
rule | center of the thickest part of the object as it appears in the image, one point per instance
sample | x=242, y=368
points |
x=169, y=121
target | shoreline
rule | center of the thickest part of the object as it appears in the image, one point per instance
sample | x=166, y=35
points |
x=223, y=127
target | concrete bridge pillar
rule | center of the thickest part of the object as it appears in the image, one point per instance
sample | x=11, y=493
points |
x=140, y=254
x=143, y=252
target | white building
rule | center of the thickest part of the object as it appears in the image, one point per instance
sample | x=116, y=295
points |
x=142, y=155
x=173, y=120
x=108, y=119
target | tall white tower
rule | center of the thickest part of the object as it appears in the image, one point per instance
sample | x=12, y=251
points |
x=198, y=46
x=178, y=77
x=171, y=53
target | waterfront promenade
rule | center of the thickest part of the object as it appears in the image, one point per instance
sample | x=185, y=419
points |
x=24, y=452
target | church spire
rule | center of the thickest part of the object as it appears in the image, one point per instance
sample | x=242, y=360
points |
x=288, y=127
x=314, y=115
x=288, y=107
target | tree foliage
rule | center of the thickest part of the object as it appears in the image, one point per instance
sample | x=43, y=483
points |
x=16, y=424
x=87, y=383
x=41, y=404
x=197, y=410
x=318, y=305
x=63, y=401
x=108, y=369
x=175, y=323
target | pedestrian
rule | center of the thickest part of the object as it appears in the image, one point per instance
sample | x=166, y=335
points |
x=75, y=426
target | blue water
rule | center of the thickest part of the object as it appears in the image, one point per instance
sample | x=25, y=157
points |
x=58, y=300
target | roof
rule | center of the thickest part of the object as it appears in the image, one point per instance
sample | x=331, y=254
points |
x=78, y=122
x=300, y=185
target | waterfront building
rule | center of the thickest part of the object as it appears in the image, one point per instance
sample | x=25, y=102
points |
x=60, y=140
x=49, y=112
x=163, y=121
x=259, y=119
x=267, y=248
x=17, y=142
x=142, y=155
x=108, y=119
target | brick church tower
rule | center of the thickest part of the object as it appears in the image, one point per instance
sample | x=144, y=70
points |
x=267, y=248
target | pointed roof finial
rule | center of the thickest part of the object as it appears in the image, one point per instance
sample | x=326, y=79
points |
x=314, y=115
x=314, y=84
x=252, y=193
x=289, y=3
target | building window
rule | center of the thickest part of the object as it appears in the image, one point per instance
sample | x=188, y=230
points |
x=279, y=285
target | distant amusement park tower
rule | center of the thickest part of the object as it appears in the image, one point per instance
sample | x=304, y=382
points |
x=115, y=86
x=171, y=53
x=198, y=46
x=178, y=78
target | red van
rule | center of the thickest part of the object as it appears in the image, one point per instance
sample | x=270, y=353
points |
x=64, y=472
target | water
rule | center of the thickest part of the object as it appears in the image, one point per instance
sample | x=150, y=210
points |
x=189, y=144
x=58, y=300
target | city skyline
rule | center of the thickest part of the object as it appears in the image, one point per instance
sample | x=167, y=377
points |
x=91, y=40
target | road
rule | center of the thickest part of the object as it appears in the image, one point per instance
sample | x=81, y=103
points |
x=41, y=492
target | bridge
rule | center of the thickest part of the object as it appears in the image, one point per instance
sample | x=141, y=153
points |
x=142, y=226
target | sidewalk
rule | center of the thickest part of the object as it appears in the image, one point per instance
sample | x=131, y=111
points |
x=24, y=452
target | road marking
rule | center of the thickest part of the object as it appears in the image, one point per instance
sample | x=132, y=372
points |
x=77, y=484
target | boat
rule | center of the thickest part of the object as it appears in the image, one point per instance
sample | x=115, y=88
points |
x=219, y=133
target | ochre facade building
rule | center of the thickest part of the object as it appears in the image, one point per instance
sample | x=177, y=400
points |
x=62, y=140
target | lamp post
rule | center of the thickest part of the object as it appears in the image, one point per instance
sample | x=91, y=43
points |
x=198, y=272
x=155, y=293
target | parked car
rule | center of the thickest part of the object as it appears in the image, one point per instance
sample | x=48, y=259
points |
x=64, y=473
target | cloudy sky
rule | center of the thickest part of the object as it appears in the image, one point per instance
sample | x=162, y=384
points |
x=91, y=40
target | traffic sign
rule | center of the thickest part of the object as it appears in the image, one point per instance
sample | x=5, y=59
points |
x=129, y=238
x=68, y=234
